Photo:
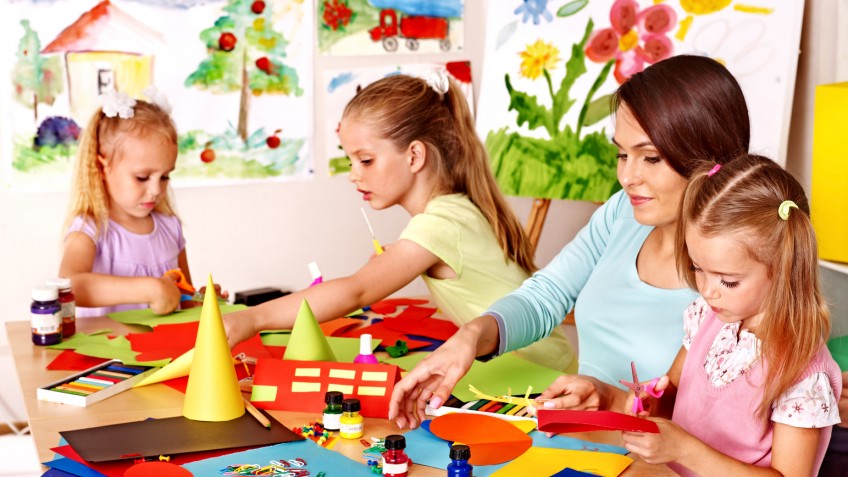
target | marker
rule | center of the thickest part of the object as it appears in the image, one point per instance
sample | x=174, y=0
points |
x=316, y=274
x=377, y=247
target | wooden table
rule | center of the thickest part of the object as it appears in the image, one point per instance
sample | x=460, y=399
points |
x=47, y=419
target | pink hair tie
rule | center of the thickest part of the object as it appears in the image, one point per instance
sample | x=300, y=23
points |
x=714, y=170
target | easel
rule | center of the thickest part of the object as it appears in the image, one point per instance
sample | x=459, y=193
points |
x=535, y=222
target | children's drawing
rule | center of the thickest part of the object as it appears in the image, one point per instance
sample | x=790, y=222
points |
x=342, y=85
x=545, y=111
x=228, y=67
x=368, y=27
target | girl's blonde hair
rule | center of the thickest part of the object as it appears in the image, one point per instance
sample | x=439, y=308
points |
x=742, y=199
x=103, y=137
x=405, y=109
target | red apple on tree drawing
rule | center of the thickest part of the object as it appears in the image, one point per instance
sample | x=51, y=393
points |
x=257, y=7
x=273, y=141
x=227, y=41
x=265, y=65
x=208, y=154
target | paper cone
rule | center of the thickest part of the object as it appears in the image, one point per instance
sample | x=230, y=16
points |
x=307, y=341
x=175, y=369
x=213, y=392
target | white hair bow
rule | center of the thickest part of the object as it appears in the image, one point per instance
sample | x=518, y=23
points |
x=438, y=80
x=116, y=103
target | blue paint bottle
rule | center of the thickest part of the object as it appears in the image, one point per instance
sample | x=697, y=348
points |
x=46, y=316
x=459, y=466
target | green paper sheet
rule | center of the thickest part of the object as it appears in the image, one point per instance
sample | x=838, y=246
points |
x=839, y=349
x=146, y=317
x=345, y=349
x=500, y=376
x=81, y=339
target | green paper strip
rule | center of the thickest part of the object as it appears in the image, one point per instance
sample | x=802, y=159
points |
x=146, y=317
x=263, y=393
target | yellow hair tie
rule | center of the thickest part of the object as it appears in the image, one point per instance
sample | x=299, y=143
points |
x=783, y=210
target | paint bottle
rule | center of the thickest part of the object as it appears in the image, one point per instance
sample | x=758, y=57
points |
x=351, y=423
x=395, y=461
x=45, y=316
x=459, y=466
x=333, y=411
x=68, y=302
x=365, y=355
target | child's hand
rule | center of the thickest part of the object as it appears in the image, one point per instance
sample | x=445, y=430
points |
x=669, y=445
x=164, y=295
x=224, y=295
x=238, y=328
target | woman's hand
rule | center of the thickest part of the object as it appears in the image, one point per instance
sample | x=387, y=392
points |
x=576, y=392
x=433, y=378
x=164, y=296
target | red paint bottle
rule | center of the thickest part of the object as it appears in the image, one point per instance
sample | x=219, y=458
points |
x=395, y=461
x=68, y=302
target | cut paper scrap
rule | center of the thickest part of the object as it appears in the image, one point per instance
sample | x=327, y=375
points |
x=380, y=331
x=318, y=460
x=497, y=376
x=569, y=472
x=157, y=468
x=289, y=385
x=344, y=349
x=543, y=462
x=492, y=440
x=339, y=325
x=561, y=420
x=70, y=360
x=173, y=435
x=389, y=306
x=417, y=321
x=146, y=317
x=307, y=342
x=117, y=348
x=213, y=392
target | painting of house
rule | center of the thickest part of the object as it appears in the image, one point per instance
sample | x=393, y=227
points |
x=104, y=49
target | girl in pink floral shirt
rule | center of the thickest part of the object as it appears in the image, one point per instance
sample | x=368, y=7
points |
x=754, y=389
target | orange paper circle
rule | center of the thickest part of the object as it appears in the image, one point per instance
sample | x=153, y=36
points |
x=157, y=468
x=492, y=440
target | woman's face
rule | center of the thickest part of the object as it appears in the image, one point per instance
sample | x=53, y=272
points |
x=655, y=189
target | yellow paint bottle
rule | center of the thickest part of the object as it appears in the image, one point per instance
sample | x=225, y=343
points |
x=351, y=422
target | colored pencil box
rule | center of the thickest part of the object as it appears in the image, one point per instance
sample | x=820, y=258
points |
x=94, y=384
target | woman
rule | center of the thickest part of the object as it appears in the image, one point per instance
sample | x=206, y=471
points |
x=619, y=272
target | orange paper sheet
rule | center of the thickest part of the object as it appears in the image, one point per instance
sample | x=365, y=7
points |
x=544, y=462
x=492, y=440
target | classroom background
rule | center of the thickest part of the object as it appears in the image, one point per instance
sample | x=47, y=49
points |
x=260, y=234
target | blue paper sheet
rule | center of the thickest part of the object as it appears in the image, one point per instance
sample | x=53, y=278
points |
x=73, y=467
x=318, y=459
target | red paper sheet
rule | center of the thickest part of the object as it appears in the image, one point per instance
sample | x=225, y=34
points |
x=70, y=360
x=417, y=321
x=563, y=421
x=389, y=306
x=173, y=340
x=339, y=325
x=389, y=337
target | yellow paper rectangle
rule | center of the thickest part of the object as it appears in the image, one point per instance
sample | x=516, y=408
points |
x=263, y=393
x=828, y=194
x=381, y=376
x=343, y=373
x=308, y=372
x=544, y=461
x=299, y=387
x=371, y=391
x=344, y=388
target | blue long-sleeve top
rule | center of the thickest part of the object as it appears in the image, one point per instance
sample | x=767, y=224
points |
x=619, y=317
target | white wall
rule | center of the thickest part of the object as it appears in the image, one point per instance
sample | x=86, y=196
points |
x=251, y=235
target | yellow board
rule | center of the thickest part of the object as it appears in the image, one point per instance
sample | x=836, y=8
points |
x=829, y=199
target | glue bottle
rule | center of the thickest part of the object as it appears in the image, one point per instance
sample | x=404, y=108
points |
x=351, y=423
x=68, y=302
x=365, y=355
x=395, y=461
x=333, y=411
x=459, y=466
x=45, y=316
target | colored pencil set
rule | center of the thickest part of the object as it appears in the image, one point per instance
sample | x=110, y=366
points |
x=94, y=384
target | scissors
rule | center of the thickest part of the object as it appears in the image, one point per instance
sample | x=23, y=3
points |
x=189, y=293
x=639, y=389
